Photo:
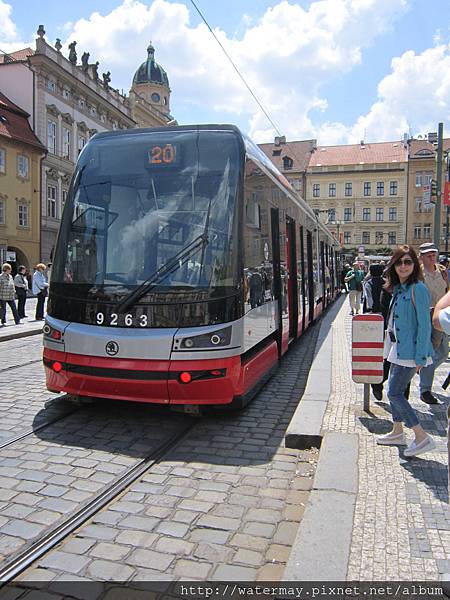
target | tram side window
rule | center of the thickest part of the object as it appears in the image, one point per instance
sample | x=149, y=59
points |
x=257, y=244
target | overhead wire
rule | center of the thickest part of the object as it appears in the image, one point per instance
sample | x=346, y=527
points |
x=236, y=69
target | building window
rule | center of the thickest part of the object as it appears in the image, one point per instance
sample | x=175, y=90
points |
x=347, y=237
x=81, y=102
x=380, y=188
x=348, y=189
x=64, y=197
x=365, y=238
x=392, y=214
x=316, y=190
x=379, y=216
x=392, y=238
x=93, y=110
x=418, y=179
x=331, y=215
x=427, y=231
x=2, y=160
x=66, y=93
x=81, y=143
x=23, y=215
x=51, y=85
x=51, y=201
x=51, y=136
x=378, y=237
x=288, y=163
x=23, y=166
x=347, y=214
x=417, y=232
x=66, y=143
x=367, y=188
x=332, y=190
x=2, y=212
x=393, y=188
x=418, y=204
x=366, y=214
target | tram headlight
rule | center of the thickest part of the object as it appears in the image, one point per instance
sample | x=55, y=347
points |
x=213, y=339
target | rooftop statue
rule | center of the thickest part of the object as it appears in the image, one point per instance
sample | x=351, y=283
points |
x=95, y=71
x=84, y=61
x=106, y=79
x=72, y=53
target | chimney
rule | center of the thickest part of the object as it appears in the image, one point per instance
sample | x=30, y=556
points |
x=432, y=137
x=279, y=140
x=362, y=142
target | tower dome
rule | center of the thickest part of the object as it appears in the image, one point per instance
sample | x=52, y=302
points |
x=150, y=71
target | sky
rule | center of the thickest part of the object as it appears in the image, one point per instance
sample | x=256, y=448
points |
x=338, y=71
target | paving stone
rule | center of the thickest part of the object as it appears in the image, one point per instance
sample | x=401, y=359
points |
x=248, y=557
x=58, y=505
x=112, y=552
x=209, y=535
x=174, y=546
x=264, y=530
x=78, y=545
x=46, y=517
x=285, y=534
x=262, y=515
x=234, y=573
x=249, y=541
x=219, y=522
x=63, y=561
x=22, y=529
x=149, y=558
x=172, y=529
x=213, y=552
x=140, y=523
x=109, y=571
x=136, y=538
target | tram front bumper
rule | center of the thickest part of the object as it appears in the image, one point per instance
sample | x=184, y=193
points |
x=215, y=381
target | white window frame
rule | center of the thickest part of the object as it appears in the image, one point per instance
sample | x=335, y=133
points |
x=418, y=179
x=51, y=84
x=332, y=190
x=52, y=200
x=393, y=213
x=347, y=211
x=417, y=232
x=23, y=166
x=347, y=237
x=379, y=214
x=427, y=231
x=365, y=237
x=392, y=238
x=66, y=142
x=366, y=214
x=348, y=190
x=316, y=190
x=380, y=188
x=393, y=188
x=367, y=188
x=22, y=215
x=2, y=160
x=52, y=129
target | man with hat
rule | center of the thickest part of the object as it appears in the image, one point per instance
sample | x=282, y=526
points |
x=436, y=280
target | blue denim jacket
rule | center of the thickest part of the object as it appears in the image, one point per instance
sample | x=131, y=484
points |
x=412, y=322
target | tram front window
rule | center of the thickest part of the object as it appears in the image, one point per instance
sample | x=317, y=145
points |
x=127, y=218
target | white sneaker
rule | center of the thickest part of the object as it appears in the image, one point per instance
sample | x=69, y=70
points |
x=392, y=439
x=415, y=449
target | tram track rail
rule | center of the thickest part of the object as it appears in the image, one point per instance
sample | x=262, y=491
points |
x=48, y=541
x=23, y=364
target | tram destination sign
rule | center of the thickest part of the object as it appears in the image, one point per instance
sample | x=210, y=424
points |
x=163, y=155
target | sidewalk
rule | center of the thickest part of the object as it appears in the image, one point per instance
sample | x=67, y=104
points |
x=28, y=327
x=390, y=518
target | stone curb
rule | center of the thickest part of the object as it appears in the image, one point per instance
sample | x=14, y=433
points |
x=20, y=334
x=321, y=548
x=304, y=430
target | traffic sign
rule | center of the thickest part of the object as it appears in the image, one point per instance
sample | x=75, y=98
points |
x=367, y=348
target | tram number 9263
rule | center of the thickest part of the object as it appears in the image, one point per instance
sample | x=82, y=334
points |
x=128, y=321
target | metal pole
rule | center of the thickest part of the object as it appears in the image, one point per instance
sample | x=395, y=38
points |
x=366, y=400
x=447, y=218
x=437, y=206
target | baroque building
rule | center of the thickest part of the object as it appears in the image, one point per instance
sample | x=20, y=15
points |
x=421, y=211
x=69, y=102
x=360, y=190
x=21, y=154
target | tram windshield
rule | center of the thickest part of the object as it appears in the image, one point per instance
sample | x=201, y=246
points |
x=140, y=200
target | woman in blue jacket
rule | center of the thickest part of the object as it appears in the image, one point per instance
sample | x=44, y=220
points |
x=407, y=346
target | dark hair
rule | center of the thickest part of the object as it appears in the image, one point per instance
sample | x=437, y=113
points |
x=391, y=274
x=21, y=268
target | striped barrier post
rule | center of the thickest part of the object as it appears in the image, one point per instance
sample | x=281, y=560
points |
x=367, y=352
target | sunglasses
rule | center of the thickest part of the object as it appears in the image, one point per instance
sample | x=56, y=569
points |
x=407, y=262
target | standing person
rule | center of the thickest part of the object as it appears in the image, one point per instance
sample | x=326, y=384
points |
x=344, y=272
x=436, y=281
x=21, y=285
x=40, y=286
x=7, y=294
x=407, y=346
x=354, y=279
x=372, y=286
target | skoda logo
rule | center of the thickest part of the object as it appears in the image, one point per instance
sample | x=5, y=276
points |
x=112, y=348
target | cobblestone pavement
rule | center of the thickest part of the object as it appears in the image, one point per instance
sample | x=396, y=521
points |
x=27, y=325
x=402, y=524
x=225, y=504
x=25, y=402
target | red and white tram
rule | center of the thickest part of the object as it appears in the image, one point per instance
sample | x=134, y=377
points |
x=184, y=267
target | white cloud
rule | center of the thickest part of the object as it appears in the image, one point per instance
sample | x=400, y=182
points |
x=288, y=56
x=8, y=32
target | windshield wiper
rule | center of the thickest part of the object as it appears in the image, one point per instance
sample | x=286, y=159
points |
x=172, y=265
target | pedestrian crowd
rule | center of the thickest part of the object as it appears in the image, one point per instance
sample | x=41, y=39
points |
x=19, y=287
x=414, y=299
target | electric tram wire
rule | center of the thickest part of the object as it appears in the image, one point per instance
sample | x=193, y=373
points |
x=236, y=69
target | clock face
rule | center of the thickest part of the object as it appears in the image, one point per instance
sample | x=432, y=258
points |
x=156, y=97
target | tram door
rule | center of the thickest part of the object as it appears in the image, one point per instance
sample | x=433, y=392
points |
x=277, y=283
x=309, y=265
x=292, y=285
x=322, y=272
x=303, y=275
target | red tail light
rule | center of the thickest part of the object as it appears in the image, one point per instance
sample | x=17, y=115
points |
x=185, y=377
x=55, y=334
x=57, y=367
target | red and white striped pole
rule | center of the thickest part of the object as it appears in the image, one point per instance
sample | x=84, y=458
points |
x=367, y=351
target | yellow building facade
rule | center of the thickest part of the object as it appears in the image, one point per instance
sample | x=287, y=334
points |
x=21, y=154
